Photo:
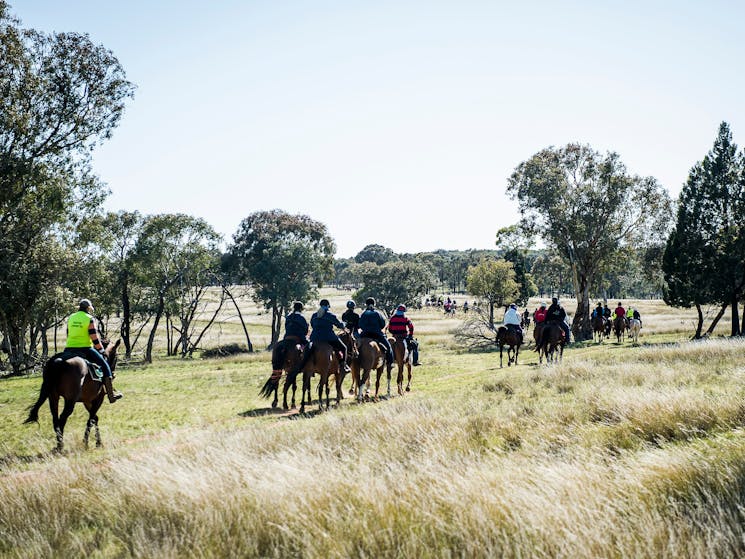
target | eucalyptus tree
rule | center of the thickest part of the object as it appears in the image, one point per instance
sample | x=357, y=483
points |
x=492, y=281
x=284, y=257
x=60, y=96
x=175, y=255
x=514, y=245
x=585, y=206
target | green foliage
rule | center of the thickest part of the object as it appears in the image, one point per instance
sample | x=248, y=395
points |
x=284, y=257
x=704, y=259
x=493, y=282
x=395, y=283
x=61, y=96
x=377, y=254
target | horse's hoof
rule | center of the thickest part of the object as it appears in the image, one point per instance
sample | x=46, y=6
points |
x=408, y=389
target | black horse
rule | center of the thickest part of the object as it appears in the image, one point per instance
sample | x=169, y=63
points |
x=513, y=340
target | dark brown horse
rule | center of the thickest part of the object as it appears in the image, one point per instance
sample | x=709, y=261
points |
x=372, y=357
x=619, y=328
x=598, y=328
x=71, y=380
x=513, y=340
x=402, y=356
x=286, y=354
x=551, y=339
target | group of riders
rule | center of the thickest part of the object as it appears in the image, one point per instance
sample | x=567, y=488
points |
x=556, y=314
x=370, y=324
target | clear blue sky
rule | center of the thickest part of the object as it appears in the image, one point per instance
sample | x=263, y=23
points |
x=399, y=122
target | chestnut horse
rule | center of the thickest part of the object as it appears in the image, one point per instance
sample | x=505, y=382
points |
x=372, y=357
x=402, y=356
x=323, y=361
x=513, y=340
x=71, y=380
x=286, y=354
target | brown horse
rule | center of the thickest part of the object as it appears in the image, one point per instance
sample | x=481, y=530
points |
x=372, y=357
x=513, y=340
x=598, y=328
x=70, y=379
x=551, y=339
x=402, y=356
x=286, y=354
x=323, y=361
x=619, y=328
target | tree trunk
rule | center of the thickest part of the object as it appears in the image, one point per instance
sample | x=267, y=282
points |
x=240, y=317
x=276, y=325
x=581, y=325
x=716, y=320
x=735, y=316
x=17, y=357
x=151, y=337
x=126, y=319
x=700, y=324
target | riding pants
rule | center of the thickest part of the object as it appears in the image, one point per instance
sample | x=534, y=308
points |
x=92, y=355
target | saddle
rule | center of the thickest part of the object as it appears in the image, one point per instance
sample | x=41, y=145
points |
x=94, y=370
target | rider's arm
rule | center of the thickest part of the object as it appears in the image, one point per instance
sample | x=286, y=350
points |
x=93, y=334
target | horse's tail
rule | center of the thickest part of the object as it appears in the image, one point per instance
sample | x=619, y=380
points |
x=278, y=359
x=33, y=413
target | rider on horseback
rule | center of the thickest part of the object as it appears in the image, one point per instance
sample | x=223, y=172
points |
x=371, y=325
x=401, y=328
x=351, y=319
x=539, y=316
x=637, y=316
x=323, y=322
x=512, y=320
x=83, y=339
x=556, y=314
x=598, y=311
x=296, y=327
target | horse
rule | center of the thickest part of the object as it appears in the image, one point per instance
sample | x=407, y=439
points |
x=598, y=328
x=551, y=339
x=619, y=328
x=372, y=357
x=286, y=354
x=525, y=323
x=635, y=325
x=402, y=357
x=70, y=379
x=537, y=330
x=323, y=361
x=513, y=340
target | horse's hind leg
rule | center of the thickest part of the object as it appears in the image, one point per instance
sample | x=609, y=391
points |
x=408, y=384
x=60, y=428
x=400, y=379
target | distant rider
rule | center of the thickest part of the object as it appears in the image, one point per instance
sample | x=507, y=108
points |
x=512, y=320
x=557, y=315
x=351, y=319
x=296, y=327
x=371, y=324
x=401, y=328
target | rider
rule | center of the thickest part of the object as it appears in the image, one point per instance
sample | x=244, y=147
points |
x=557, y=315
x=539, y=316
x=598, y=311
x=84, y=340
x=323, y=322
x=512, y=320
x=351, y=319
x=637, y=316
x=371, y=325
x=401, y=328
x=620, y=311
x=296, y=327
x=526, y=317
x=606, y=311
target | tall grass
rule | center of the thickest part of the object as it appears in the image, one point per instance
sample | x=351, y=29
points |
x=616, y=452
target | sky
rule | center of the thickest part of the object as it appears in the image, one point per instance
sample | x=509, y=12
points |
x=399, y=122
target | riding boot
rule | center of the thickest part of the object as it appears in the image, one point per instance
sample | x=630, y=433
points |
x=343, y=364
x=113, y=394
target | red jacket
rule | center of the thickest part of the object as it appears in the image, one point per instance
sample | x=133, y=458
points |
x=620, y=311
x=400, y=325
x=540, y=315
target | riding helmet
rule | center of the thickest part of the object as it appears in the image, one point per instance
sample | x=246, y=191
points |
x=370, y=301
x=297, y=306
x=401, y=308
x=325, y=303
x=350, y=304
x=85, y=304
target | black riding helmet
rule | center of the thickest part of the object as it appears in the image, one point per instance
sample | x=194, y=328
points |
x=297, y=306
x=350, y=304
x=370, y=302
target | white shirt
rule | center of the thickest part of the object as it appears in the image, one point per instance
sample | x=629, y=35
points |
x=511, y=317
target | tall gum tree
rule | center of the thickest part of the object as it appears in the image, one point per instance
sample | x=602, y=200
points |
x=585, y=206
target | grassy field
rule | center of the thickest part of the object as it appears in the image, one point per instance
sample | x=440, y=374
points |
x=619, y=451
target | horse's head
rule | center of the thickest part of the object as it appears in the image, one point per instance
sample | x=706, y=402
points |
x=110, y=352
